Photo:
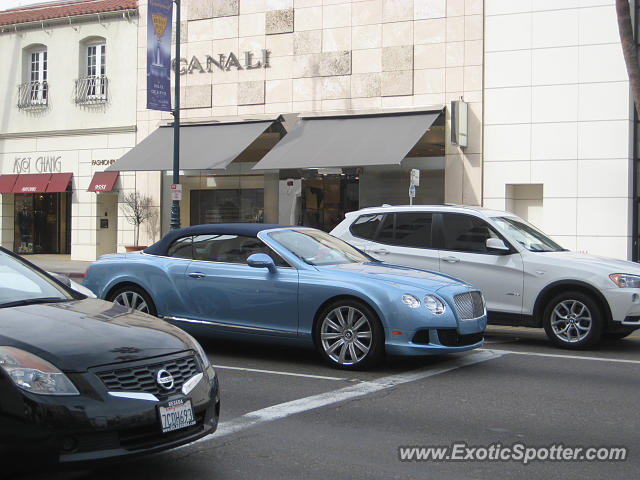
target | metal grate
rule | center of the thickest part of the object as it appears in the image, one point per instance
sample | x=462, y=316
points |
x=449, y=337
x=142, y=378
x=91, y=89
x=33, y=95
x=469, y=305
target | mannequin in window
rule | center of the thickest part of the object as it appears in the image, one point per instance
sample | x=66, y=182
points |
x=25, y=224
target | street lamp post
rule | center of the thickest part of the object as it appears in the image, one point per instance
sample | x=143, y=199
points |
x=175, y=205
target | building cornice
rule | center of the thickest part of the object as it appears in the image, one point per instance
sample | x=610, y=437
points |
x=224, y=119
x=372, y=112
x=70, y=133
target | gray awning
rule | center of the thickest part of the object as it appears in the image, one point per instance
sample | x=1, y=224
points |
x=349, y=141
x=202, y=147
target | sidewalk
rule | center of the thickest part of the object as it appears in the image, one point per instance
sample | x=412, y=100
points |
x=60, y=264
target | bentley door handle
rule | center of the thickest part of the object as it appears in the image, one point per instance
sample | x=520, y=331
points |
x=451, y=259
x=379, y=251
x=197, y=275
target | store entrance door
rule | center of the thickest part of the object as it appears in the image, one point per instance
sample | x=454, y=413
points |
x=42, y=223
x=326, y=198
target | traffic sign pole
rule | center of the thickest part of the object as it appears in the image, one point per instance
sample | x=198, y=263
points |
x=414, y=181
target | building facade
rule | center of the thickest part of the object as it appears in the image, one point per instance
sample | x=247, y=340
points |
x=296, y=111
x=67, y=112
x=548, y=96
x=559, y=122
x=304, y=61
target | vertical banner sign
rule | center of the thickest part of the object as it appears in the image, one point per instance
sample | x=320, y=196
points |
x=159, y=16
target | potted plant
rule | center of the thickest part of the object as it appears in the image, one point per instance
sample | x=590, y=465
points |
x=137, y=209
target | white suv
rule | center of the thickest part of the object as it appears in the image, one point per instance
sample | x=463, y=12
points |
x=527, y=279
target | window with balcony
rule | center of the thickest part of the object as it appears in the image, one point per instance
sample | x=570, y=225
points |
x=92, y=85
x=34, y=93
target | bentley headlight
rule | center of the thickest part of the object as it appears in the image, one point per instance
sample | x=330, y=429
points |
x=434, y=304
x=410, y=301
x=625, y=280
x=33, y=374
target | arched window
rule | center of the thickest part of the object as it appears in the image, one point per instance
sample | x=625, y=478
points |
x=34, y=90
x=92, y=84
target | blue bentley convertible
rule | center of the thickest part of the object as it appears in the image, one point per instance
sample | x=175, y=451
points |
x=281, y=282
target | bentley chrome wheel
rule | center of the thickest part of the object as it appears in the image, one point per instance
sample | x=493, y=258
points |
x=346, y=335
x=132, y=300
x=133, y=297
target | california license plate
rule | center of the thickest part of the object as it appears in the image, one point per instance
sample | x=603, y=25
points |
x=176, y=414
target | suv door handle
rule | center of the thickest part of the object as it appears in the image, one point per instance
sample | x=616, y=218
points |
x=197, y=275
x=379, y=251
x=451, y=259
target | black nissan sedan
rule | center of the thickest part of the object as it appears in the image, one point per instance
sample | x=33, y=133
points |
x=83, y=379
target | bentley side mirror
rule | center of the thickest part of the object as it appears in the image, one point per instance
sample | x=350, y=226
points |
x=261, y=260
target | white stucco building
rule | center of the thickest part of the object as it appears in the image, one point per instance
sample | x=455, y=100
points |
x=67, y=111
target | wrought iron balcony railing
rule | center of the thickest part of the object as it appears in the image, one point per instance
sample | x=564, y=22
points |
x=33, y=95
x=91, y=89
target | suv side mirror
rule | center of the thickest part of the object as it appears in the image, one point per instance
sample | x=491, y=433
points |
x=497, y=244
x=261, y=260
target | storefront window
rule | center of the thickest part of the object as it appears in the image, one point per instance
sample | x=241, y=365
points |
x=227, y=206
x=24, y=224
x=326, y=198
x=42, y=223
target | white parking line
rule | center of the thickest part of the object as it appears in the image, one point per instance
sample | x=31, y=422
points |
x=558, y=355
x=275, y=372
x=362, y=389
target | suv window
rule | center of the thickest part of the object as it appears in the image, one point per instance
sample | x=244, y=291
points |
x=406, y=229
x=385, y=235
x=366, y=226
x=466, y=233
x=413, y=230
x=181, y=248
x=231, y=249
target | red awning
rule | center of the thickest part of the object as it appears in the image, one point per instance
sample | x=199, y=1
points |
x=59, y=182
x=103, y=181
x=7, y=182
x=32, y=183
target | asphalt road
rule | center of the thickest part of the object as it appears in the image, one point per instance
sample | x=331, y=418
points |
x=285, y=415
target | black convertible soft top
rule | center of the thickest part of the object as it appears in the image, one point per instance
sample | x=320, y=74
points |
x=245, y=229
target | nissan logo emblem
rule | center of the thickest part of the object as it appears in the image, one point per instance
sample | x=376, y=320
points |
x=164, y=379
